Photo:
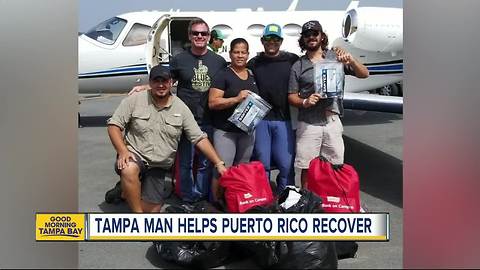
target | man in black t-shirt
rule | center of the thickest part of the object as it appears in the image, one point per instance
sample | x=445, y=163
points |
x=274, y=138
x=194, y=70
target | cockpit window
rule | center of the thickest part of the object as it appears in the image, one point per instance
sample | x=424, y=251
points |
x=137, y=35
x=108, y=31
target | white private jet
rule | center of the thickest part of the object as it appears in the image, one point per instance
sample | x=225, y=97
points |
x=117, y=54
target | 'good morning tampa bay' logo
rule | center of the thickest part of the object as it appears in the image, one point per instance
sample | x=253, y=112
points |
x=60, y=227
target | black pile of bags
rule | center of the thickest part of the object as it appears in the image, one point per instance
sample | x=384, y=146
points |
x=194, y=254
x=265, y=254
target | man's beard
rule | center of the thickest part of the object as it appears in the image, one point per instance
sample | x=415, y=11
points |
x=161, y=96
x=272, y=51
x=312, y=48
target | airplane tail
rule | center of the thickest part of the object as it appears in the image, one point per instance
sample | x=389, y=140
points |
x=293, y=5
x=353, y=5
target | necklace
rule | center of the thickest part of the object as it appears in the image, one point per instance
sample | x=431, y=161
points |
x=240, y=74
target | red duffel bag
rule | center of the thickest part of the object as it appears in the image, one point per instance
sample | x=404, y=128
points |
x=246, y=185
x=337, y=185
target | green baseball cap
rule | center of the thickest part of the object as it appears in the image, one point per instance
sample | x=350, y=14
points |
x=217, y=34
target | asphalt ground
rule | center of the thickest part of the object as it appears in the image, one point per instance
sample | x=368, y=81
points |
x=373, y=143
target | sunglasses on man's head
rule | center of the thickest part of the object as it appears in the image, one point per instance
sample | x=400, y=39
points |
x=272, y=38
x=310, y=34
x=196, y=33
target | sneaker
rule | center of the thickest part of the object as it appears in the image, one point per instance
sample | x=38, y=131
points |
x=114, y=195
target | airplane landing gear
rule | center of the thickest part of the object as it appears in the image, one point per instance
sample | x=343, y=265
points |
x=390, y=90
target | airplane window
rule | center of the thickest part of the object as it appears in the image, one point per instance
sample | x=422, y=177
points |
x=137, y=35
x=256, y=30
x=108, y=31
x=292, y=29
x=225, y=29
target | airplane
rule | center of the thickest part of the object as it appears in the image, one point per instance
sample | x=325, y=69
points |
x=118, y=53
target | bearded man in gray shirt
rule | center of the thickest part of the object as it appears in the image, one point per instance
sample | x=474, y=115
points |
x=319, y=129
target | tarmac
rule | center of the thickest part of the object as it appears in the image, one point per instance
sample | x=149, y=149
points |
x=374, y=146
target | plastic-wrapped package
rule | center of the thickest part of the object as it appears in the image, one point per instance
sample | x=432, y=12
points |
x=302, y=201
x=291, y=199
x=249, y=113
x=329, y=76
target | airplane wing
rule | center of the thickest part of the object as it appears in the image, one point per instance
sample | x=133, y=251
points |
x=372, y=102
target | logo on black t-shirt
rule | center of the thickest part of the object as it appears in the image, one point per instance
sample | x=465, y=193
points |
x=201, y=80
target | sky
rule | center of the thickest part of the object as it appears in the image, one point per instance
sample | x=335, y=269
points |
x=92, y=12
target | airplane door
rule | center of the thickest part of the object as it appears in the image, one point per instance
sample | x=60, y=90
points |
x=157, y=48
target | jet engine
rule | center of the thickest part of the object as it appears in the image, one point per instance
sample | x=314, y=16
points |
x=377, y=29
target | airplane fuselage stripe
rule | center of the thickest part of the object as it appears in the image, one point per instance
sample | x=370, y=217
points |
x=143, y=68
x=386, y=68
x=400, y=61
x=385, y=72
x=114, y=75
x=379, y=68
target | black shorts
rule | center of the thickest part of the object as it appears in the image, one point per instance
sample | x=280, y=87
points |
x=152, y=180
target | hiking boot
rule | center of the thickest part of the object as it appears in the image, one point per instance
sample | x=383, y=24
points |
x=114, y=195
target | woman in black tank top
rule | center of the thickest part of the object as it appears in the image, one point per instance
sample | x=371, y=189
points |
x=228, y=89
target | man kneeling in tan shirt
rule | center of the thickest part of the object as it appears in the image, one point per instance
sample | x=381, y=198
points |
x=153, y=121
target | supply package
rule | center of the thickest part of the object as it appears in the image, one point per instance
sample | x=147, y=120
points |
x=249, y=112
x=329, y=76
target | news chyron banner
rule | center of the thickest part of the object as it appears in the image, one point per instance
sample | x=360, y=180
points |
x=207, y=227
